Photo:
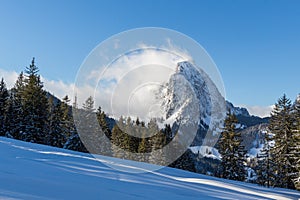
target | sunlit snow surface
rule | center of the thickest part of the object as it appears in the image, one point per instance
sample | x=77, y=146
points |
x=31, y=171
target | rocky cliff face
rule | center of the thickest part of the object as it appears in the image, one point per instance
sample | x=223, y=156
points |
x=193, y=104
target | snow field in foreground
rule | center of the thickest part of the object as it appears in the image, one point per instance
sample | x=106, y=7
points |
x=32, y=171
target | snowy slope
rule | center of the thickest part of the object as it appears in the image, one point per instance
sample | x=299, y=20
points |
x=31, y=171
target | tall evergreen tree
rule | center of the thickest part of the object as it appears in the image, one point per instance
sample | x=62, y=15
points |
x=120, y=140
x=101, y=117
x=265, y=165
x=15, y=118
x=88, y=105
x=231, y=150
x=295, y=149
x=66, y=118
x=143, y=149
x=35, y=106
x=86, y=128
x=103, y=132
x=158, y=141
x=55, y=134
x=281, y=126
x=3, y=106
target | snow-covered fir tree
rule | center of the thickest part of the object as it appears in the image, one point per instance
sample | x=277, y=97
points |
x=281, y=126
x=265, y=165
x=4, y=96
x=67, y=122
x=55, y=134
x=35, y=106
x=88, y=129
x=232, y=151
x=14, y=118
x=295, y=150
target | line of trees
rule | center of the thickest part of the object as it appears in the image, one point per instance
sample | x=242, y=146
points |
x=278, y=164
x=29, y=113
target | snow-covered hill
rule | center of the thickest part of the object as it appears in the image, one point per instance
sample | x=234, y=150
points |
x=31, y=171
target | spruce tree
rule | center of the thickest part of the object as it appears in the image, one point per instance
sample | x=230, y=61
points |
x=15, y=118
x=119, y=141
x=144, y=146
x=86, y=127
x=88, y=105
x=66, y=118
x=158, y=141
x=132, y=130
x=3, y=106
x=35, y=106
x=231, y=150
x=55, y=135
x=265, y=165
x=143, y=149
x=101, y=117
x=295, y=149
x=281, y=126
x=89, y=128
x=10, y=123
x=103, y=132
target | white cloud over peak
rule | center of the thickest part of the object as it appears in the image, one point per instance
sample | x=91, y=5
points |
x=118, y=85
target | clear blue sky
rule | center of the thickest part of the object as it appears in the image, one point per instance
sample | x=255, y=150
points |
x=255, y=44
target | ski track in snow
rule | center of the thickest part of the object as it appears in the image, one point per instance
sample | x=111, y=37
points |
x=31, y=171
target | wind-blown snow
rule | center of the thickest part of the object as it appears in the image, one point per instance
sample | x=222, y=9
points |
x=31, y=171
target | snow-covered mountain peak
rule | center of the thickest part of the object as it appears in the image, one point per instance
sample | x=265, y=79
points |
x=187, y=94
x=187, y=69
x=191, y=99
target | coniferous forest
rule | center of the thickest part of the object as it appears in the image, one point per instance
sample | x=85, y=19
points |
x=31, y=114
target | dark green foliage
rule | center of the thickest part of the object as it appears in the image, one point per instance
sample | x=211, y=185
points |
x=281, y=126
x=67, y=123
x=88, y=127
x=101, y=117
x=231, y=150
x=295, y=150
x=158, y=155
x=185, y=162
x=35, y=107
x=14, y=117
x=120, y=142
x=55, y=133
x=74, y=143
x=265, y=165
x=208, y=166
x=125, y=144
x=3, y=106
